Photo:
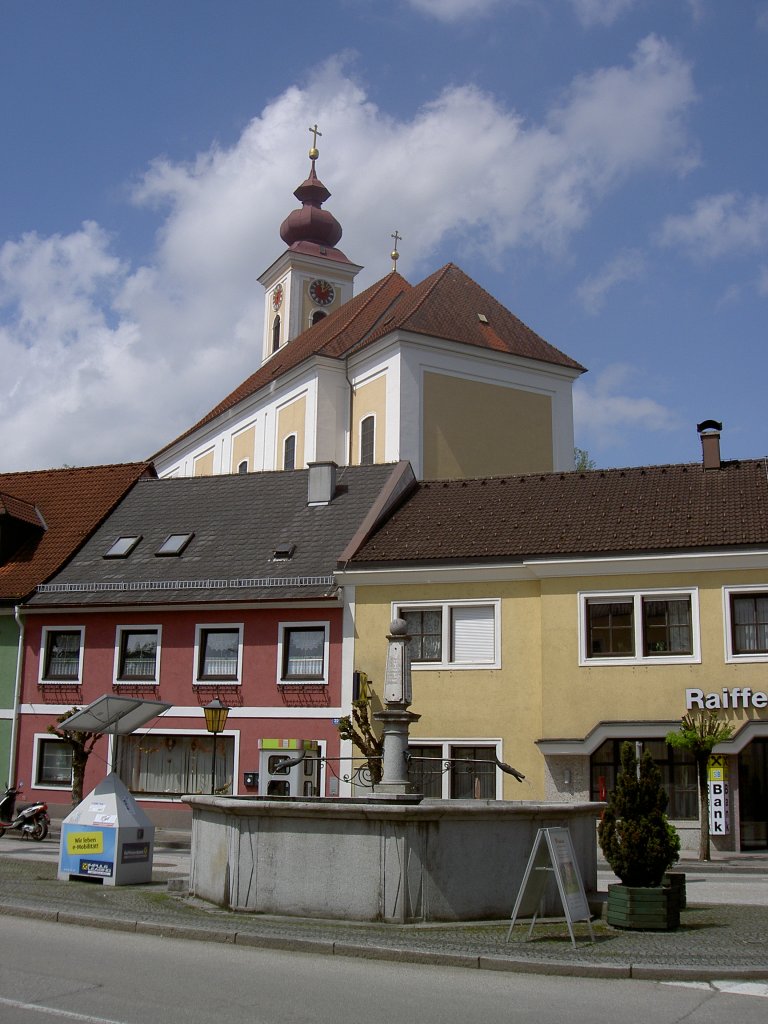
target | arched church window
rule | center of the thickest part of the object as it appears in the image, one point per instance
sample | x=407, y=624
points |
x=367, y=438
x=276, y=333
x=243, y=467
x=289, y=452
x=317, y=316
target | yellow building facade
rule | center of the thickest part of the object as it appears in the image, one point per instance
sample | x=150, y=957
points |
x=550, y=662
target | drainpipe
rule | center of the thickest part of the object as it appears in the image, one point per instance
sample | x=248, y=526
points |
x=16, y=698
x=351, y=410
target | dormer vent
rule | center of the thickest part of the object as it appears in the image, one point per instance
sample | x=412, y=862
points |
x=283, y=552
x=482, y=318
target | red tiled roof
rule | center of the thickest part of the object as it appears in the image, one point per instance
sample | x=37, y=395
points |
x=444, y=305
x=600, y=512
x=24, y=511
x=72, y=502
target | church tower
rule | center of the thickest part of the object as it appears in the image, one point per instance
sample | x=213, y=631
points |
x=312, y=277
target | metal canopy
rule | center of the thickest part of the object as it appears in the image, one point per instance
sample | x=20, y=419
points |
x=118, y=716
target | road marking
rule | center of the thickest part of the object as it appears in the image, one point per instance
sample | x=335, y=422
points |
x=69, y=1014
x=733, y=988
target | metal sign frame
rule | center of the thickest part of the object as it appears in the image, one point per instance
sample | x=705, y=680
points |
x=552, y=853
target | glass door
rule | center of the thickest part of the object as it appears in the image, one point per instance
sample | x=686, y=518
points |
x=753, y=795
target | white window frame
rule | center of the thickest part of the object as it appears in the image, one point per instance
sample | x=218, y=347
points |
x=136, y=628
x=37, y=746
x=282, y=627
x=745, y=590
x=43, y=649
x=446, y=607
x=446, y=746
x=636, y=596
x=218, y=627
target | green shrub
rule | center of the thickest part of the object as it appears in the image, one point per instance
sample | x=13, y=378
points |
x=635, y=835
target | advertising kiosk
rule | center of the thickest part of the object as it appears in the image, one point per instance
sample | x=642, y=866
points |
x=108, y=838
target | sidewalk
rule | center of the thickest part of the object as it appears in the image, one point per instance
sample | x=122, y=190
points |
x=714, y=942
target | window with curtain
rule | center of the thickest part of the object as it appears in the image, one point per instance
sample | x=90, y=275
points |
x=62, y=655
x=157, y=764
x=639, y=627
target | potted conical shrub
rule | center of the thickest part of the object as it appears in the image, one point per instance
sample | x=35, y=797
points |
x=640, y=845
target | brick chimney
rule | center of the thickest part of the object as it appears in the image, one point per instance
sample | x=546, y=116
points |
x=709, y=432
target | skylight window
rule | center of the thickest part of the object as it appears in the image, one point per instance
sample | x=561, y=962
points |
x=122, y=547
x=283, y=552
x=174, y=544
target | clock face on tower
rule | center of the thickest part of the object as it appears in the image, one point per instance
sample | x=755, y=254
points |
x=322, y=292
x=277, y=297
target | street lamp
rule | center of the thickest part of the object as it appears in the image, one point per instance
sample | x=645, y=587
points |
x=215, y=720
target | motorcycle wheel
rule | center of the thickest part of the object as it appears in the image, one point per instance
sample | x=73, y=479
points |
x=40, y=831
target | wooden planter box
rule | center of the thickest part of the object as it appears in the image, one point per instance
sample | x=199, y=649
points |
x=676, y=880
x=639, y=908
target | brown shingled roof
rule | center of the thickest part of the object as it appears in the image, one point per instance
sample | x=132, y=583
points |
x=645, y=509
x=72, y=502
x=444, y=305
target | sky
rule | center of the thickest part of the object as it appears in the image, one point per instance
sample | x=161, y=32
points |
x=597, y=165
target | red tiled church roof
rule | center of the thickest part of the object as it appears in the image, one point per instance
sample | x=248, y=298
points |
x=600, y=512
x=72, y=502
x=445, y=305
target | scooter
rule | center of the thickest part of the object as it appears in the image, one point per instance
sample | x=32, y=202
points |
x=31, y=821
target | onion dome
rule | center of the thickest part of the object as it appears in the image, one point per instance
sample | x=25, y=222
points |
x=312, y=229
x=311, y=223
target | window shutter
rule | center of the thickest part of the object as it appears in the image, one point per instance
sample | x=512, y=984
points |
x=473, y=634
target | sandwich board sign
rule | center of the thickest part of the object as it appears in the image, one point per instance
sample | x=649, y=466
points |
x=552, y=854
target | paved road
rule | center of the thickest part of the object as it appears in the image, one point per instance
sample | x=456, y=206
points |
x=54, y=973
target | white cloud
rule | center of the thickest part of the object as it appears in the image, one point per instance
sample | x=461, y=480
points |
x=600, y=12
x=109, y=362
x=606, y=409
x=720, y=225
x=455, y=10
x=627, y=265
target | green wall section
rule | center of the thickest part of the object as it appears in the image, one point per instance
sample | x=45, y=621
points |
x=9, y=648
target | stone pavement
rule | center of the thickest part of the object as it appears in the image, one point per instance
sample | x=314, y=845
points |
x=716, y=941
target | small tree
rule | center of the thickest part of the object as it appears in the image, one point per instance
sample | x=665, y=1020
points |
x=582, y=460
x=82, y=744
x=635, y=836
x=357, y=727
x=700, y=734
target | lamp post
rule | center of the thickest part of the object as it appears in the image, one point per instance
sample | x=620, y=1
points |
x=215, y=720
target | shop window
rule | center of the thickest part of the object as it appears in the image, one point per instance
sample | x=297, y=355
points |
x=62, y=655
x=53, y=763
x=746, y=624
x=453, y=770
x=451, y=634
x=303, y=653
x=639, y=627
x=137, y=654
x=217, y=653
x=171, y=764
x=677, y=767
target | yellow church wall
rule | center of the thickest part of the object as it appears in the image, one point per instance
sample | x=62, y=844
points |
x=503, y=703
x=203, y=464
x=243, y=447
x=291, y=419
x=370, y=399
x=475, y=429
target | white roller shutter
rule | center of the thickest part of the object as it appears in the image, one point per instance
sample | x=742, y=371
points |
x=473, y=634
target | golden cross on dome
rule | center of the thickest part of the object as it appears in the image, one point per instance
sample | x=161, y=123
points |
x=314, y=152
x=395, y=255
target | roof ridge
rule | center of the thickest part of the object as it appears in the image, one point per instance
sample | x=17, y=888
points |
x=371, y=292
